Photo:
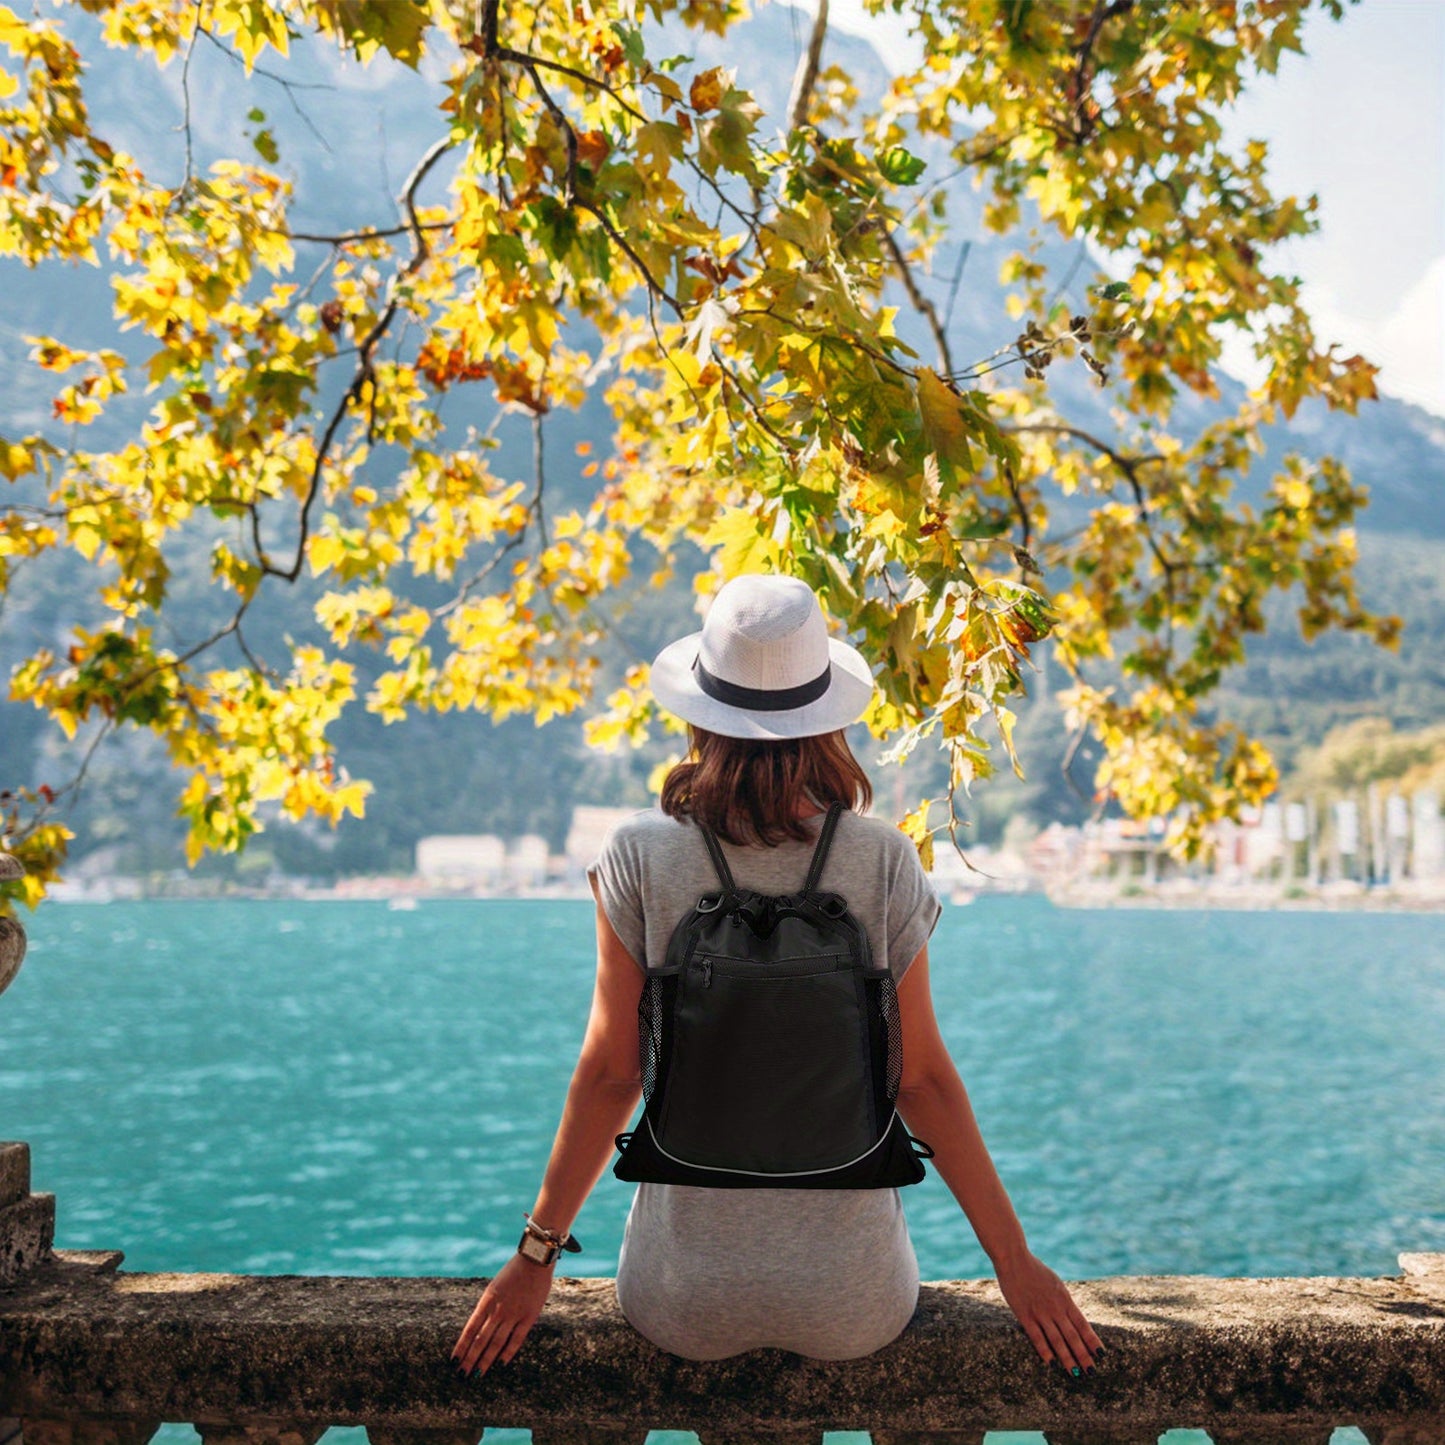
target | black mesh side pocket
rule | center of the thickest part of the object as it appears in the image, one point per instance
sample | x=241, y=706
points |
x=888, y=999
x=653, y=1008
x=886, y=1046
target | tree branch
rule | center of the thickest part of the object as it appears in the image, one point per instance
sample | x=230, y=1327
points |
x=369, y=234
x=364, y=371
x=540, y=473
x=287, y=85
x=569, y=133
x=963, y=254
x=1129, y=465
x=1082, y=124
x=921, y=303
x=189, y=178
x=806, y=75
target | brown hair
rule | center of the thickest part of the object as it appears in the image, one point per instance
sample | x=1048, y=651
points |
x=750, y=791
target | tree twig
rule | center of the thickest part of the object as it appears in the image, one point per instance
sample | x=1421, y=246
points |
x=287, y=85
x=1082, y=123
x=345, y=238
x=963, y=253
x=921, y=303
x=363, y=373
x=805, y=78
x=539, y=470
x=188, y=180
x=569, y=134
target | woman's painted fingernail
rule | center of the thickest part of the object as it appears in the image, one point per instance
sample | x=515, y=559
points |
x=1074, y=1370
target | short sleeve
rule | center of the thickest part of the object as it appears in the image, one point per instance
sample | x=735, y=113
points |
x=913, y=909
x=616, y=878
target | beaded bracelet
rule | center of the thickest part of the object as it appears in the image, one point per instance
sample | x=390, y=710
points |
x=562, y=1241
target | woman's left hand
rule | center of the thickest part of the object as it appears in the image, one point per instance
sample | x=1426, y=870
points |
x=504, y=1315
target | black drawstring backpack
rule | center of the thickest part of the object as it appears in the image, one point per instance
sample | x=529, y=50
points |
x=770, y=1047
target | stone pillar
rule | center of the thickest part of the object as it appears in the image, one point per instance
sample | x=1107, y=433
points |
x=586, y=1435
x=926, y=1437
x=27, y=1221
x=757, y=1437
x=257, y=1432
x=1124, y=1435
x=27, y=1233
x=87, y=1431
x=457, y=1435
x=12, y=934
x=1284, y=1434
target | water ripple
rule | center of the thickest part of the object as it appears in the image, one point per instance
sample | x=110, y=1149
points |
x=245, y=1085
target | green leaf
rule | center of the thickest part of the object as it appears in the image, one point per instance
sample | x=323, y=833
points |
x=633, y=47
x=982, y=525
x=899, y=166
x=556, y=226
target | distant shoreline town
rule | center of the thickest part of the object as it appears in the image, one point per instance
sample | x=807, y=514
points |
x=1277, y=856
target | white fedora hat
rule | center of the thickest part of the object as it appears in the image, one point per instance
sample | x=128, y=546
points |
x=763, y=665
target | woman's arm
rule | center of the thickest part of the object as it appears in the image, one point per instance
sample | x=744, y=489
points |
x=935, y=1107
x=605, y=1088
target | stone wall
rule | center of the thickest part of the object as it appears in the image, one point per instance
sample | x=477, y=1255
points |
x=91, y=1354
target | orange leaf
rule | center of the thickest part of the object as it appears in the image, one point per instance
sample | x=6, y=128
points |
x=708, y=89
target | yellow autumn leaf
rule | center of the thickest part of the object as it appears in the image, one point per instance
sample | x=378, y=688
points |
x=945, y=430
x=915, y=827
x=323, y=550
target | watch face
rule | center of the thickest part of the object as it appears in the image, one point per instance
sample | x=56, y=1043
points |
x=537, y=1249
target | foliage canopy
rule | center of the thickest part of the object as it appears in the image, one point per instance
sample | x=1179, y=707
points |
x=624, y=222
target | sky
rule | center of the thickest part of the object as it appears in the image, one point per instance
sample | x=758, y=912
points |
x=1359, y=121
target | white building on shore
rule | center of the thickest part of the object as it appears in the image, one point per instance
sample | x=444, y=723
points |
x=461, y=860
x=528, y=862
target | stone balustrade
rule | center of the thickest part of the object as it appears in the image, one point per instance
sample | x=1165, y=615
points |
x=91, y=1354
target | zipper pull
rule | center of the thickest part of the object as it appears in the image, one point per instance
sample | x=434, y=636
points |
x=706, y=964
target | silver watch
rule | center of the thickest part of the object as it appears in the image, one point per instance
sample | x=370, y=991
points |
x=538, y=1250
x=542, y=1245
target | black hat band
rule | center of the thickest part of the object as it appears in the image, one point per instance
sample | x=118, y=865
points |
x=761, y=699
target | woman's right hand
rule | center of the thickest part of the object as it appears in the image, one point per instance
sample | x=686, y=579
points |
x=504, y=1315
x=1044, y=1307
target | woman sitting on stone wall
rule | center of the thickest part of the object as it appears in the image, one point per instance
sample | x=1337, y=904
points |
x=705, y=1273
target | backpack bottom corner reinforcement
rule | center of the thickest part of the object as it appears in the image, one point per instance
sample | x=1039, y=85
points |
x=770, y=1047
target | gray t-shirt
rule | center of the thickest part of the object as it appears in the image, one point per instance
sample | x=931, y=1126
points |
x=706, y=1273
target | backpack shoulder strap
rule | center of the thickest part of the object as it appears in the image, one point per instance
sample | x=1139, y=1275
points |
x=820, y=852
x=714, y=848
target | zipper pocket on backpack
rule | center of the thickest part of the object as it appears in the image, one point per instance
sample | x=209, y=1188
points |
x=801, y=967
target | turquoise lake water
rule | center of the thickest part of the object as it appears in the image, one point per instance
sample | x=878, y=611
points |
x=337, y=1087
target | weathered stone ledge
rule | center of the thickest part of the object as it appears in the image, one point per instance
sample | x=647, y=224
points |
x=91, y=1354
x=1246, y=1359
